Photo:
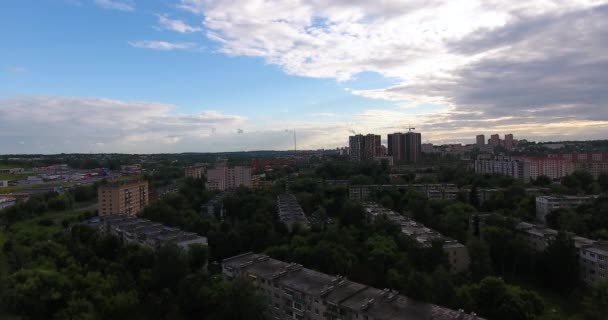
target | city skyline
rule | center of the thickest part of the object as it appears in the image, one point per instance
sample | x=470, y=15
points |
x=135, y=76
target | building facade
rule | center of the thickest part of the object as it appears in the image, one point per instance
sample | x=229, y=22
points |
x=194, y=172
x=593, y=255
x=224, y=178
x=405, y=147
x=547, y=204
x=433, y=191
x=514, y=168
x=481, y=140
x=295, y=292
x=130, y=229
x=457, y=253
x=122, y=197
x=364, y=147
x=290, y=212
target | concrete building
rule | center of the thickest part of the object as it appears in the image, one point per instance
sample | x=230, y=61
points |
x=122, y=197
x=290, y=211
x=194, y=172
x=295, y=292
x=224, y=178
x=405, y=147
x=509, y=143
x=389, y=160
x=514, y=168
x=594, y=262
x=547, y=204
x=7, y=202
x=3, y=183
x=11, y=170
x=593, y=255
x=457, y=253
x=144, y=232
x=364, y=147
x=557, y=166
x=495, y=140
x=480, y=140
x=215, y=207
x=446, y=191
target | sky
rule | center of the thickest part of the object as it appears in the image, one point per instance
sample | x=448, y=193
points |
x=152, y=76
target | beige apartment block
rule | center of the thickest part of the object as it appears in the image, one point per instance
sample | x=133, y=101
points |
x=122, y=197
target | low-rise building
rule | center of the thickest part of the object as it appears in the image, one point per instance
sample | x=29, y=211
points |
x=547, y=204
x=11, y=170
x=214, y=207
x=131, y=229
x=7, y=202
x=457, y=253
x=290, y=211
x=434, y=191
x=295, y=292
x=593, y=255
x=3, y=183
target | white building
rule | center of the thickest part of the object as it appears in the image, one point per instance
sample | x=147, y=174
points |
x=3, y=183
x=548, y=204
x=513, y=168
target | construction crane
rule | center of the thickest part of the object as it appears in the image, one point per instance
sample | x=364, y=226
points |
x=411, y=128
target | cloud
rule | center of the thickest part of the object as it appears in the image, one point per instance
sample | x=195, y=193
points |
x=537, y=68
x=123, y=126
x=17, y=69
x=162, y=45
x=121, y=5
x=176, y=25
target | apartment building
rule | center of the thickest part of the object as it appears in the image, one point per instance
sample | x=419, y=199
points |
x=432, y=191
x=144, y=232
x=594, y=262
x=3, y=183
x=224, y=178
x=290, y=211
x=405, y=147
x=194, y=172
x=480, y=140
x=593, y=255
x=122, y=197
x=547, y=204
x=295, y=292
x=514, y=168
x=364, y=147
x=457, y=253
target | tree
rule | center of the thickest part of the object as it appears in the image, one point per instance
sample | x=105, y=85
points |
x=240, y=301
x=197, y=256
x=37, y=294
x=481, y=264
x=542, y=181
x=596, y=303
x=602, y=180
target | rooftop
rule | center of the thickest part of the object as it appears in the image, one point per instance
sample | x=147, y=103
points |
x=379, y=304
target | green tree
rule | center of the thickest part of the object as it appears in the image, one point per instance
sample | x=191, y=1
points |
x=596, y=303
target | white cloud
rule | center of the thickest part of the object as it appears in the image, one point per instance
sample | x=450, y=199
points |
x=162, y=45
x=17, y=69
x=176, y=25
x=116, y=125
x=485, y=65
x=121, y=5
